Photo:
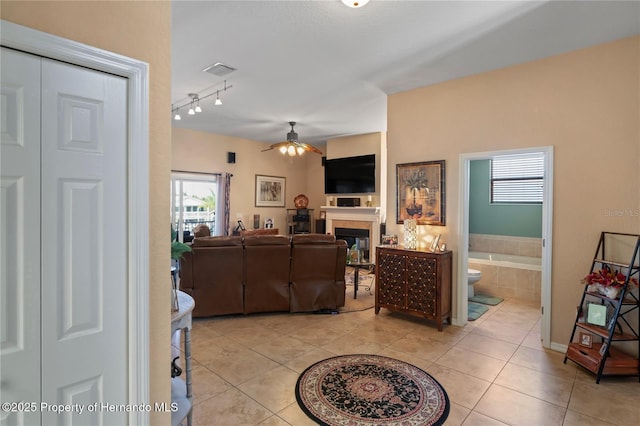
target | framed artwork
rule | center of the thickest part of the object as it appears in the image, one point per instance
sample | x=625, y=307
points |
x=270, y=191
x=435, y=243
x=323, y=215
x=420, y=192
x=390, y=240
x=586, y=339
x=597, y=314
x=268, y=223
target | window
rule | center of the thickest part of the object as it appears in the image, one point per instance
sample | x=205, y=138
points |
x=194, y=201
x=517, y=178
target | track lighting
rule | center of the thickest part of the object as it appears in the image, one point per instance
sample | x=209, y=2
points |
x=194, y=102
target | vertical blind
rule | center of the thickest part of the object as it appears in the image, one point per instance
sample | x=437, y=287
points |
x=517, y=178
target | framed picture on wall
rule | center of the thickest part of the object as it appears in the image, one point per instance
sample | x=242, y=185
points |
x=270, y=191
x=420, y=192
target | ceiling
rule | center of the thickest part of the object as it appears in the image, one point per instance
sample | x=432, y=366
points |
x=330, y=68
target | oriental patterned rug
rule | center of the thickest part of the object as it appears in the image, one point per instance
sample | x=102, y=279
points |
x=367, y=390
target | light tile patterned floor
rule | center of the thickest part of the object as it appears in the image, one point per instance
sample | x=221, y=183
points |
x=494, y=369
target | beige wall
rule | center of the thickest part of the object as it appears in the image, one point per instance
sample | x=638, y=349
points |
x=140, y=30
x=586, y=104
x=207, y=152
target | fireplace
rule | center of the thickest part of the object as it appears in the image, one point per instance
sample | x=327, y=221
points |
x=357, y=222
x=357, y=237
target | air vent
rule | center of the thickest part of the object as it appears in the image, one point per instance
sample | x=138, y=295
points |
x=219, y=69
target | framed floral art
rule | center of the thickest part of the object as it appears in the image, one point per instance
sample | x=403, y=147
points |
x=421, y=192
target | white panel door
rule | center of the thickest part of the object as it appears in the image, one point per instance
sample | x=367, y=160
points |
x=84, y=242
x=20, y=235
x=63, y=192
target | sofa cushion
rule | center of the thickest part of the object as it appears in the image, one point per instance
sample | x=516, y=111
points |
x=266, y=240
x=216, y=241
x=266, y=260
x=313, y=239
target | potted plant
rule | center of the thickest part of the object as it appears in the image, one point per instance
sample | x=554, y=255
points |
x=607, y=282
x=178, y=249
x=415, y=182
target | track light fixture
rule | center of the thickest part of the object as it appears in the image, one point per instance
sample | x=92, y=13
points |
x=355, y=3
x=177, y=116
x=194, y=102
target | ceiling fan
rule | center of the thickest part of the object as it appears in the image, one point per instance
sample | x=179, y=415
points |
x=292, y=146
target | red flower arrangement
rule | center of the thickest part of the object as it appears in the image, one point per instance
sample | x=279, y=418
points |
x=607, y=278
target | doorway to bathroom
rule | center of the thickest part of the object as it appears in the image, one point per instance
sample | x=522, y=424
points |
x=545, y=185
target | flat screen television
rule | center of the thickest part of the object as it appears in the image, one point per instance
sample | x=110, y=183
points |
x=350, y=175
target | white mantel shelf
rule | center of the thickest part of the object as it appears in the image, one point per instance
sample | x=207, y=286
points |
x=357, y=210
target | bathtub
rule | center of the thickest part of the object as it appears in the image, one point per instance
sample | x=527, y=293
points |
x=506, y=260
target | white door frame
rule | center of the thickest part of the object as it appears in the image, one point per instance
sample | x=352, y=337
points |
x=547, y=226
x=137, y=311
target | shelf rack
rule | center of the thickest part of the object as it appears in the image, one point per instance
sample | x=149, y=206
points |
x=601, y=358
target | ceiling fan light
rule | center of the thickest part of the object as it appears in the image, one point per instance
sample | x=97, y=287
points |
x=300, y=150
x=291, y=150
x=355, y=3
x=283, y=149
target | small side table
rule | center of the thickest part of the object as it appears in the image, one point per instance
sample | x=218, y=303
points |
x=356, y=274
x=181, y=392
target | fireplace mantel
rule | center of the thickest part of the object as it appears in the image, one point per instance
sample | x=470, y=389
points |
x=370, y=215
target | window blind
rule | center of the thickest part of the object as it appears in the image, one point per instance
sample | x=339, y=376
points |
x=517, y=178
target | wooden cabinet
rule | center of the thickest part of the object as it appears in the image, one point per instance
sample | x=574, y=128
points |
x=414, y=282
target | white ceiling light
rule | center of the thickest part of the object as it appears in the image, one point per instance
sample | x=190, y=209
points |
x=194, y=102
x=354, y=3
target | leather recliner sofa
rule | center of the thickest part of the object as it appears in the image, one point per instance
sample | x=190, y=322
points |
x=264, y=273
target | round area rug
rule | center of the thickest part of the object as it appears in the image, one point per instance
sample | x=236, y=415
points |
x=363, y=390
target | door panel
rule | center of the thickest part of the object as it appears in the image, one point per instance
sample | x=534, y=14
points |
x=84, y=242
x=20, y=234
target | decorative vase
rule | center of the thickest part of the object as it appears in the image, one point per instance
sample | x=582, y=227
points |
x=410, y=234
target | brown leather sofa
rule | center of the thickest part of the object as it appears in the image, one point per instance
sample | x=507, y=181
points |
x=264, y=273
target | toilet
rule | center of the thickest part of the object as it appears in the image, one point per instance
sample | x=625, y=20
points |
x=474, y=276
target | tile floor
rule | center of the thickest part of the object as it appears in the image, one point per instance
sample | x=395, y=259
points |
x=494, y=369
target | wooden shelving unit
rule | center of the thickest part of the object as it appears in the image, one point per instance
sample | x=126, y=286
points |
x=602, y=358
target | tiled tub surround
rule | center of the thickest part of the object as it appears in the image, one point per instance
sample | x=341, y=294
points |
x=520, y=246
x=507, y=275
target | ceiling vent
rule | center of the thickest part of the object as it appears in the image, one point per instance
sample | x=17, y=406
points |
x=219, y=69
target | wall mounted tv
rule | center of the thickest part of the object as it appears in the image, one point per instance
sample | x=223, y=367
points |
x=350, y=175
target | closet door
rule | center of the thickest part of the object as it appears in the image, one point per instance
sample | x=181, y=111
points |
x=64, y=241
x=84, y=242
x=20, y=235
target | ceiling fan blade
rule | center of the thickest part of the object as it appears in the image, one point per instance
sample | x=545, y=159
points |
x=309, y=148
